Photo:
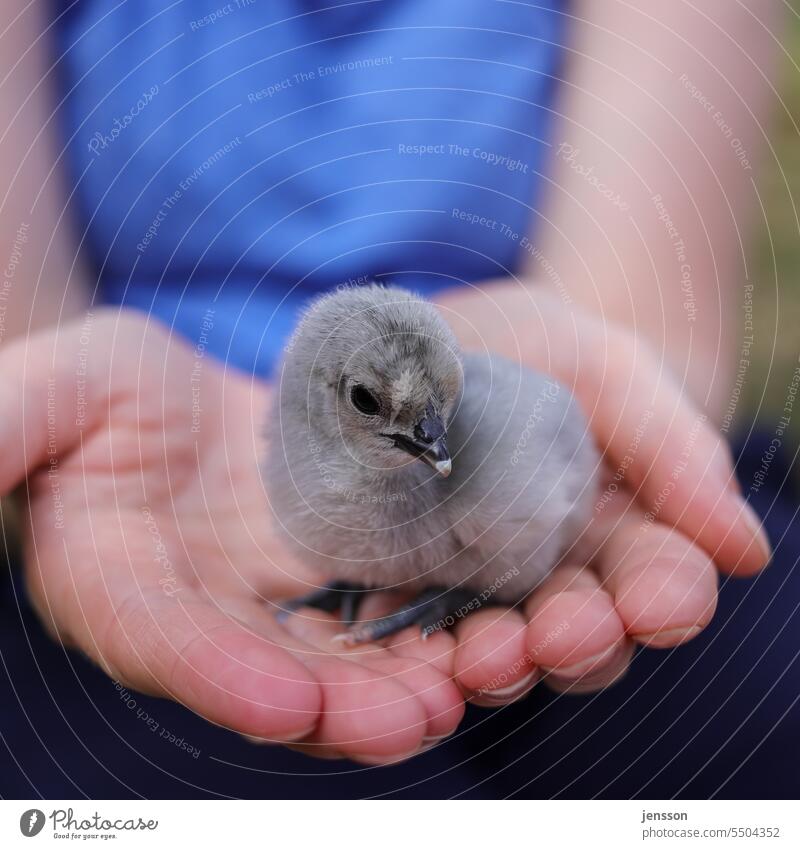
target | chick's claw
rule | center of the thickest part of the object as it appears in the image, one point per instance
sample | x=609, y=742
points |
x=435, y=609
x=338, y=595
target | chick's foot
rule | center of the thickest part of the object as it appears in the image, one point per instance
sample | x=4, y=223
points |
x=435, y=609
x=338, y=595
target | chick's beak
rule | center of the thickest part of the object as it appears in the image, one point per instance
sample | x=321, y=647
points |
x=438, y=457
x=429, y=442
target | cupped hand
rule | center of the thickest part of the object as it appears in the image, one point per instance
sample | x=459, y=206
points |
x=669, y=517
x=147, y=546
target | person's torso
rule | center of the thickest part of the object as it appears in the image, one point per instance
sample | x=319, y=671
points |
x=231, y=159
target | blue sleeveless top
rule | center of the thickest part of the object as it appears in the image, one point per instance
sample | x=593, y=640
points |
x=229, y=160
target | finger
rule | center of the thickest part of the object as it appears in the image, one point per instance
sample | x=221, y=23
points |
x=190, y=652
x=676, y=462
x=433, y=688
x=575, y=635
x=383, y=729
x=438, y=648
x=307, y=634
x=375, y=713
x=55, y=385
x=436, y=692
x=664, y=587
x=369, y=718
x=602, y=676
x=491, y=663
x=169, y=644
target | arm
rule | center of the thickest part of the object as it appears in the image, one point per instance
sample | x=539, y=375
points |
x=42, y=279
x=666, y=103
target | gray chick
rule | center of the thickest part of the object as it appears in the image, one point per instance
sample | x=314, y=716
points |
x=396, y=461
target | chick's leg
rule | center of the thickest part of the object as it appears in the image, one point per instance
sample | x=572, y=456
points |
x=435, y=609
x=338, y=595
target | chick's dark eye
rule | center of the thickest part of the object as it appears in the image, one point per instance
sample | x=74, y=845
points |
x=363, y=400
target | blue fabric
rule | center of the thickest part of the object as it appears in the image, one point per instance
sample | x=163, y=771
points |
x=240, y=157
x=719, y=716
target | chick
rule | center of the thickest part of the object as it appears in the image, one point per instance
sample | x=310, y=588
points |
x=396, y=461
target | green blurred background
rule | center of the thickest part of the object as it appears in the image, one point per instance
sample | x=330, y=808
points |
x=774, y=261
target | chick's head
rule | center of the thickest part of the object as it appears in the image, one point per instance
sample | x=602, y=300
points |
x=382, y=374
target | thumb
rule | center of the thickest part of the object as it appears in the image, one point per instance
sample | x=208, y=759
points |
x=55, y=385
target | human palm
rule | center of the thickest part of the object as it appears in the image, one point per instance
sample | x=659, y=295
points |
x=148, y=546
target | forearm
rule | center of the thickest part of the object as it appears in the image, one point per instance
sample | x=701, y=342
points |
x=42, y=278
x=646, y=220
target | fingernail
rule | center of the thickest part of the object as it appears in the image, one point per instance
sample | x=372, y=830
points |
x=427, y=740
x=385, y=760
x=430, y=742
x=668, y=638
x=576, y=670
x=613, y=668
x=287, y=738
x=754, y=524
x=732, y=484
x=298, y=735
x=506, y=695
